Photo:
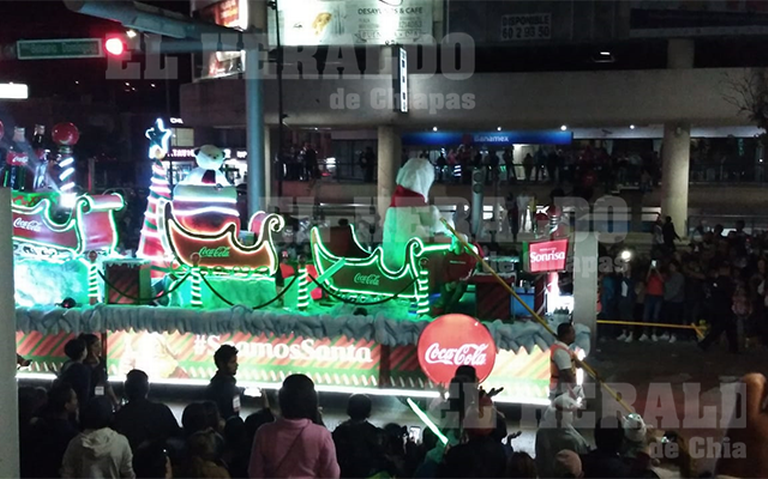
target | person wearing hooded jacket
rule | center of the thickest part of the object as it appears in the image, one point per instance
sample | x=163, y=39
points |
x=99, y=451
x=556, y=433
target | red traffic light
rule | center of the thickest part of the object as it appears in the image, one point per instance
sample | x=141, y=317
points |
x=114, y=46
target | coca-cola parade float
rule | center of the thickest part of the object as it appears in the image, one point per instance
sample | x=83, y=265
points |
x=380, y=318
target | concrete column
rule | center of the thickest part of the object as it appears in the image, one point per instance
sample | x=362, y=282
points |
x=675, y=165
x=680, y=53
x=268, y=162
x=585, y=267
x=389, y=159
x=254, y=114
x=9, y=419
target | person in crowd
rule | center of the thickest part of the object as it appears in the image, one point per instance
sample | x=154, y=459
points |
x=567, y=465
x=32, y=402
x=605, y=460
x=721, y=318
x=359, y=444
x=657, y=239
x=309, y=162
x=753, y=434
x=237, y=449
x=142, y=420
x=43, y=450
x=74, y=372
x=203, y=457
x=669, y=234
x=742, y=310
x=528, y=164
x=608, y=296
x=562, y=369
x=654, y=299
x=626, y=300
x=674, y=300
x=556, y=432
x=368, y=164
x=99, y=451
x=194, y=419
x=521, y=465
x=213, y=417
x=509, y=162
x=294, y=446
x=99, y=385
x=151, y=461
x=441, y=163
x=482, y=455
x=223, y=389
x=694, y=290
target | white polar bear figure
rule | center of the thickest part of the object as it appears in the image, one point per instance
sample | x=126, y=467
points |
x=209, y=159
x=409, y=214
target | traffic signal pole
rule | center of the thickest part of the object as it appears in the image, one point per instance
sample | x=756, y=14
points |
x=188, y=35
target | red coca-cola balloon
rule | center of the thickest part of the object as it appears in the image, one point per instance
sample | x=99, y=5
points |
x=456, y=340
x=65, y=134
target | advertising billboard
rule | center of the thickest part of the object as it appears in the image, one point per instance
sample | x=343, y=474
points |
x=350, y=22
x=547, y=256
x=230, y=14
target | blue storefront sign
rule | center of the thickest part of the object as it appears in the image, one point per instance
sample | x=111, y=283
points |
x=494, y=138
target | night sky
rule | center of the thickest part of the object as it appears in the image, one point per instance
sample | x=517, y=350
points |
x=33, y=19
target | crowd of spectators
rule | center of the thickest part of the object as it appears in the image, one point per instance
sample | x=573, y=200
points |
x=716, y=278
x=80, y=432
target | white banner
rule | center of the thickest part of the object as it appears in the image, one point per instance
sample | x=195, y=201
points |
x=525, y=27
x=338, y=22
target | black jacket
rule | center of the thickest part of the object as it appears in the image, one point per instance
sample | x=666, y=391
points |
x=224, y=392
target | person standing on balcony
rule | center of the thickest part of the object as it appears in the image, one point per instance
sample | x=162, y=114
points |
x=670, y=235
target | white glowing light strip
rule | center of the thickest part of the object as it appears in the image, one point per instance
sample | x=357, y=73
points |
x=68, y=186
x=67, y=162
x=329, y=389
x=207, y=209
x=152, y=234
x=67, y=173
x=203, y=199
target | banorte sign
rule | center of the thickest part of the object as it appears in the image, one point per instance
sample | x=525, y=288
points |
x=547, y=256
x=455, y=340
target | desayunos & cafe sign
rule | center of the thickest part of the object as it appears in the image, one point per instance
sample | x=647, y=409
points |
x=547, y=256
x=456, y=340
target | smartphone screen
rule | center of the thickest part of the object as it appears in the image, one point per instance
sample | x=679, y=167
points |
x=415, y=433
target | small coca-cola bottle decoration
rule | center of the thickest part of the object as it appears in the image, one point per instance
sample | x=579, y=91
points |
x=16, y=161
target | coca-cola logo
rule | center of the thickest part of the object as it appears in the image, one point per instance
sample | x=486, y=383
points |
x=367, y=279
x=455, y=340
x=33, y=225
x=466, y=355
x=220, y=252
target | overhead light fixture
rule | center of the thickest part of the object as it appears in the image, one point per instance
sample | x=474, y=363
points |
x=631, y=127
x=14, y=91
x=498, y=129
x=605, y=53
x=131, y=33
x=434, y=128
x=564, y=128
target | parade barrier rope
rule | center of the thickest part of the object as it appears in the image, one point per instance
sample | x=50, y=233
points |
x=357, y=303
x=592, y=373
x=170, y=290
x=264, y=305
x=654, y=325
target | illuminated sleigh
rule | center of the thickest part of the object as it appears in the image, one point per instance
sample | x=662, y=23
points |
x=88, y=226
x=221, y=250
x=345, y=268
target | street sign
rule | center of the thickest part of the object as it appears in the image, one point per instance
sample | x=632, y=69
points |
x=59, y=49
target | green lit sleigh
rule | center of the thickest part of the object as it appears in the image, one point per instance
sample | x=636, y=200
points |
x=348, y=270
